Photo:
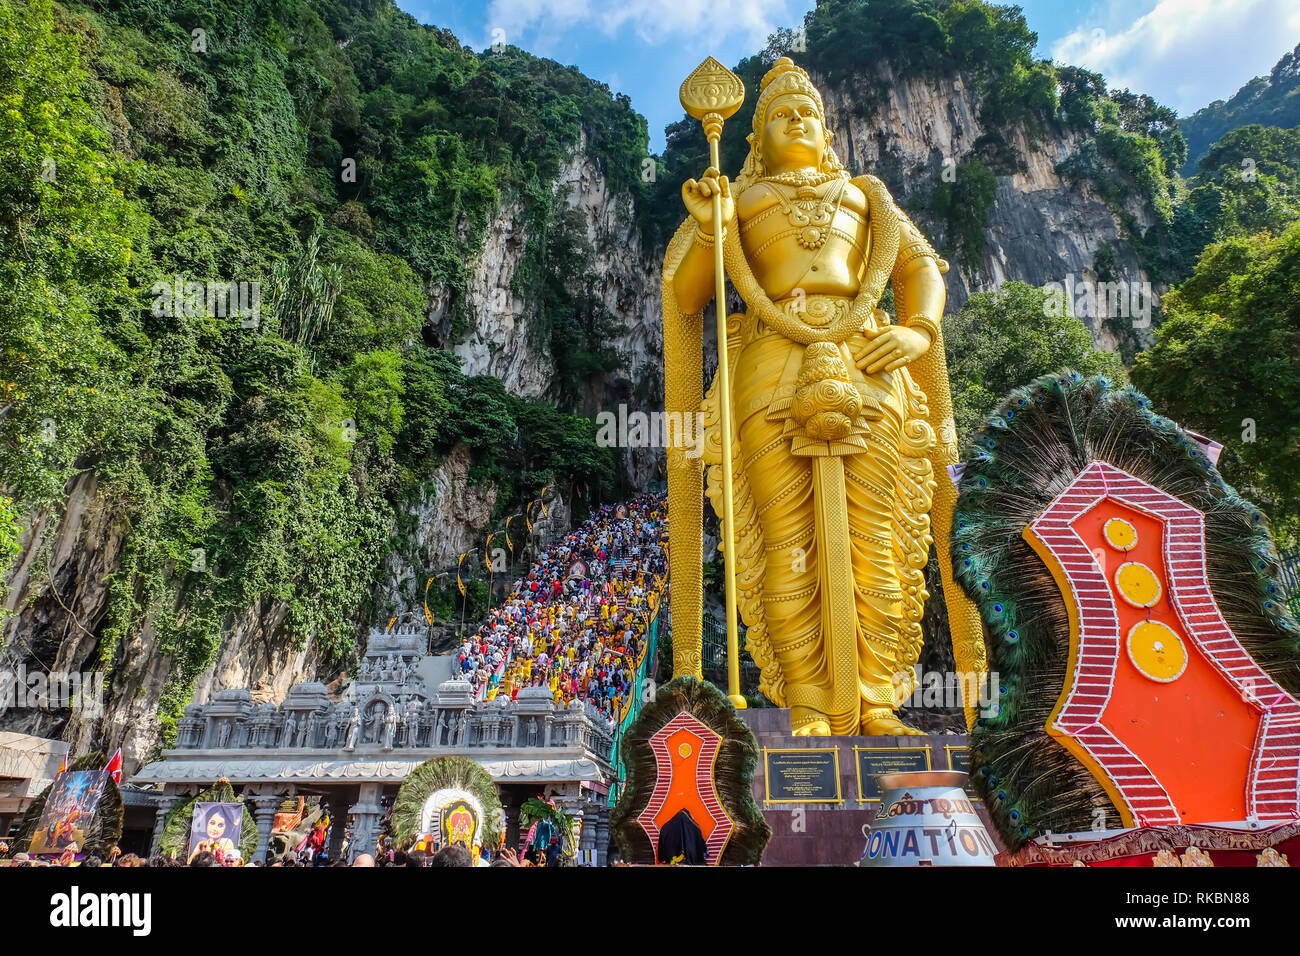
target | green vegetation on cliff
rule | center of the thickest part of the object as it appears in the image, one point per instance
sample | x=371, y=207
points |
x=999, y=340
x=336, y=159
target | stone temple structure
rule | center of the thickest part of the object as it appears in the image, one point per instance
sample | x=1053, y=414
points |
x=403, y=707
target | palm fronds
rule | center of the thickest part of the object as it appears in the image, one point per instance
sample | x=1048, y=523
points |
x=537, y=810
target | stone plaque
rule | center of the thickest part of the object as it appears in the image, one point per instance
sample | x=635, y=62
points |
x=874, y=760
x=802, y=776
x=958, y=758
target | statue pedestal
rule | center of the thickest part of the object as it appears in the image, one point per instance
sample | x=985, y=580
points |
x=819, y=793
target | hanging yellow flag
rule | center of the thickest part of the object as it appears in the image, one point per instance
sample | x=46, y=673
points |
x=487, y=551
x=427, y=613
x=510, y=544
x=390, y=625
x=459, y=583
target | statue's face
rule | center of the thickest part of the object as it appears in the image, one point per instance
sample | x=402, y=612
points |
x=794, y=134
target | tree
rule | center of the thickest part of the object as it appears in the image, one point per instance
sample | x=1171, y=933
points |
x=962, y=205
x=1225, y=363
x=65, y=240
x=1270, y=100
x=1254, y=173
x=1005, y=339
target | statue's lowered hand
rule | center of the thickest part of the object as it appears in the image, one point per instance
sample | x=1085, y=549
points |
x=890, y=348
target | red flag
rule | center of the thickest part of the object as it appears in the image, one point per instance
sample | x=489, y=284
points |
x=115, y=766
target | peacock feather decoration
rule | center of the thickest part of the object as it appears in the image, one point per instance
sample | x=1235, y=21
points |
x=733, y=771
x=1031, y=449
x=444, y=773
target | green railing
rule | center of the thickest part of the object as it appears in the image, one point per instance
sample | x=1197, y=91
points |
x=636, y=695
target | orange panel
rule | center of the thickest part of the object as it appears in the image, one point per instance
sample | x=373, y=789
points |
x=1196, y=733
x=684, y=749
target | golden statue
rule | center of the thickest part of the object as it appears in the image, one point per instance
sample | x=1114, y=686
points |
x=839, y=420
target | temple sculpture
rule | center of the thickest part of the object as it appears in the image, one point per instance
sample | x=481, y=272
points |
x=839, y=418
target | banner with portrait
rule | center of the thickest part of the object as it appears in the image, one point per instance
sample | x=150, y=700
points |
x=215, y=827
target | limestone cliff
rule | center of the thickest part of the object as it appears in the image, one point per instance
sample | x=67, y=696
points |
x=501, y=339
x=59, y=598
x=1041, y=228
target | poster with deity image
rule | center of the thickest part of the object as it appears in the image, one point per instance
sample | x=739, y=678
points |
x=215, y=828
x=71, y=806
x=459, y=823
x=451, y=815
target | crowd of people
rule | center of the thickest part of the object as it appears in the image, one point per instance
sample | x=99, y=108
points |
x=576, y=623
x=542, y=853
x=454, y=855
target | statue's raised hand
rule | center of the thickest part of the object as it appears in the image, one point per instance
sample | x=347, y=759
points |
x=697, y=195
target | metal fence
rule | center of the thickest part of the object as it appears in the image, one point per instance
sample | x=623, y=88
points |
x=713, y=655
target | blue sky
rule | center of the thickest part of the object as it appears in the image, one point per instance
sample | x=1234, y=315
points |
x=1185, y=53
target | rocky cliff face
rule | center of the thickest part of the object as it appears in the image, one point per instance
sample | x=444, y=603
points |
x=59, y=589
x=59, y=598
x=58, y=595
x=452, y=516
x=1041, y=228
x=501, y=340
x=446, y=520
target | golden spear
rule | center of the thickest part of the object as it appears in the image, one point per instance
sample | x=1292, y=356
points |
x=712, y=94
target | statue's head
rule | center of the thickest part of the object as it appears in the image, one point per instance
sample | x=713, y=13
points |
x=789, y=125
x=793, y=134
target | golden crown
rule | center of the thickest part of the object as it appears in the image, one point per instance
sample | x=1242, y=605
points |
x=784, y=77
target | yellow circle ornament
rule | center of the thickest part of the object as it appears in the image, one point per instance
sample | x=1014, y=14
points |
x=684, y=749
x=1137, y=584
x=1120, y=534
x=1157, y=652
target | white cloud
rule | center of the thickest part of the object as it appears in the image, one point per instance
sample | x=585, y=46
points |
x=1187, y=53
x=654, y=21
